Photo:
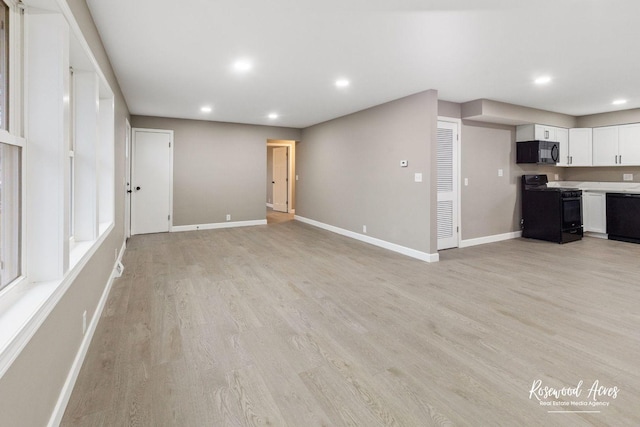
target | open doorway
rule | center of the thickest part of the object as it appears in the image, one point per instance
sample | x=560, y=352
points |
x=280, y=180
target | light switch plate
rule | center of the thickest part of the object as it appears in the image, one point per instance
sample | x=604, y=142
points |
x=466, y=182
x=418, y=177
x=627, y=177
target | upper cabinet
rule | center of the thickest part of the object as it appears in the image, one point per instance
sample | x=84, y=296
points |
x=578, y=151
x=629, y=144
x=535, y=132
x=616, y=145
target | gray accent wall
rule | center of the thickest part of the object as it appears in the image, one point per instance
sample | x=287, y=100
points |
x=350, y=175
x=218, y=168
x=32, y=385
x=489, y=204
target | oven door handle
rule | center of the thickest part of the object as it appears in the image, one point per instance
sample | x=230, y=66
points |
x=569, y=199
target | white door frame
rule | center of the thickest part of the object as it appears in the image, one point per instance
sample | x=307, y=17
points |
x=127, y=182
x=291, y=166
x=458, y=123
x=170, y=132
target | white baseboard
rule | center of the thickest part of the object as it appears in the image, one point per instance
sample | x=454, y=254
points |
x=67, y=389
x=423, y=256
x=270, y=205
x=490, y=239
x=217, y=225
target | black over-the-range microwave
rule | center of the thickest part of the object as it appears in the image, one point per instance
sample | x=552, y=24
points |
x=540, y=152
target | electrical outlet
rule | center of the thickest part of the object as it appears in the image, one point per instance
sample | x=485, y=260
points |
x=84, y=322
x=466, y=182
x=228, y=217
x=417, y=177
x=364, y=229
x=500, y=172
x=627, y=177
x=296, y=177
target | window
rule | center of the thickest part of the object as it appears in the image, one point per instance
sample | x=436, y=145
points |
x=4, y=65
x=10, y=170
x=10, y=213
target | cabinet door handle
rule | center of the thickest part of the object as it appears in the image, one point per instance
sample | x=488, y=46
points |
x=546, y=134
x=570, y=160
x=620, y=158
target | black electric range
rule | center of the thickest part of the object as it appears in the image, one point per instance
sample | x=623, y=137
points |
x=550, y=213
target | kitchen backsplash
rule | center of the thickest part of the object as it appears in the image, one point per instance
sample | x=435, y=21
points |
x=599, y=174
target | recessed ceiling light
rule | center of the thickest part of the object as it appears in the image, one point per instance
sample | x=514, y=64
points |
x=542, y=80
x=273, y=116
x=619, y=102
x=206, y=109
x=342, y=83
x=242, y=65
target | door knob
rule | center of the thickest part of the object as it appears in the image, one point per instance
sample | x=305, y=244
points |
x=137, y=188
x=273, y=182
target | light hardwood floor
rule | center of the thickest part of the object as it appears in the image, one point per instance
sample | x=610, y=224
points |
x=275, y=217
x=290, y=325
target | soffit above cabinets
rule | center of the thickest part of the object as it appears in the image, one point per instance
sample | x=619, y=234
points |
x=489, y=111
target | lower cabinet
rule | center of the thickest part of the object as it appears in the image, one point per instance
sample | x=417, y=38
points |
x=594, y=211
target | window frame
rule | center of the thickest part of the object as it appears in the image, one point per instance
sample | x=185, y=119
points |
x=13, y=134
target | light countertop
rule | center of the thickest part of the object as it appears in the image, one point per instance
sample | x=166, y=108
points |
x=599, y=187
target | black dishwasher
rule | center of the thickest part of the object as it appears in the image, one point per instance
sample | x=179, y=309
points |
x=623, y=217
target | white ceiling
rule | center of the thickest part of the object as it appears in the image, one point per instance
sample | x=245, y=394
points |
x=172, y=57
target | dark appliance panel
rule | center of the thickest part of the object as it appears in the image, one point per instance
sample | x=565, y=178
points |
x=550, y=213
x=540, y=152
x=571, y=211
x=623, y=217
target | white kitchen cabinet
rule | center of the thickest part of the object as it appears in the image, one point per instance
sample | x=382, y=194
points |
x=562, y=138
x=605, y=146
x=594, y=212
x=578, y=149
x=616, y=145
x=535, y=132
x=629, y=145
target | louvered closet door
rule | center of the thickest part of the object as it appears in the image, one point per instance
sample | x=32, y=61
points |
x=447, y=185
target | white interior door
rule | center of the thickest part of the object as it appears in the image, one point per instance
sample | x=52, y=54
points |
x=280, y=187
x=447, y=185
x=127, y=179
x=151, y=181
